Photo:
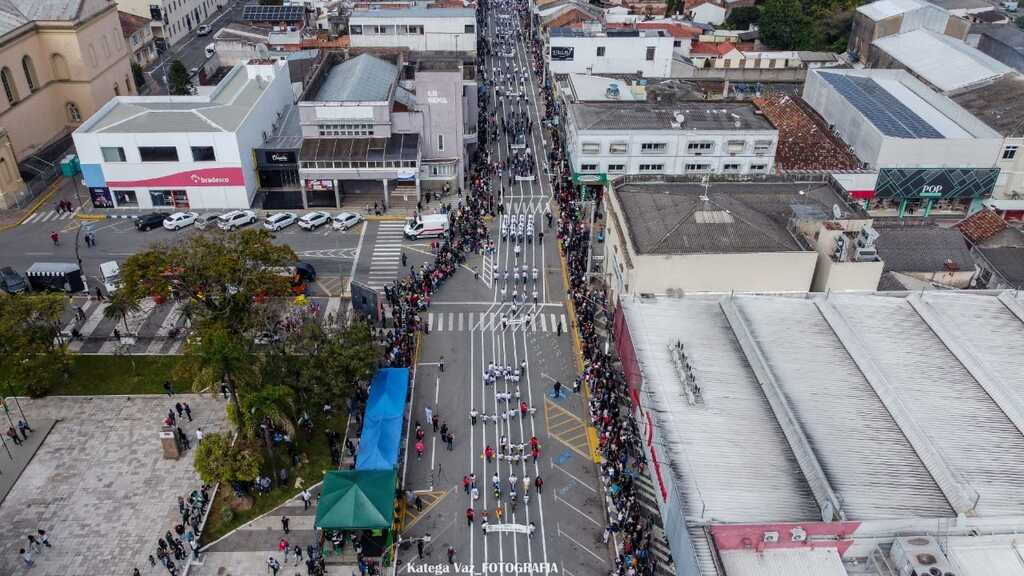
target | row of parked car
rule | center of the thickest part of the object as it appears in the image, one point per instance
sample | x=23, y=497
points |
x=239, y=218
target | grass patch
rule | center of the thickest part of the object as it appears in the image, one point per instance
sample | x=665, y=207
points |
x=102, y=375
x=318, y=459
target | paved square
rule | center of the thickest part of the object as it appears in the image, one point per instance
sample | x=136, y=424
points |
x=99, y=484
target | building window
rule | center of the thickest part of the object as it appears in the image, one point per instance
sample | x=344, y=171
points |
x=470, y=29
x=650, y=53
x=160, y=198
x=158, y=153
x=699, y=147
x=59, y=66
x=653, y=148
x=591, y=148
x=618, y=148
x=442, y=170
x=600, y=51
x=378, y=29
x=758, y=167
x=30, y=73
x=589, y=167
x=649, y=168
x=355, y=30
x=615, y=168
x=699, y=168
x=1009, y=153
x=731, y=168
x=125, y=198
x=736, y=146
x=203, y=154
x=74, y=114
x=127, y=84
x=440, y=142
x=112, y=153
x=762, y=147
x=92, y=56
x=415, y=29
x=344, y=129
x=10, y=89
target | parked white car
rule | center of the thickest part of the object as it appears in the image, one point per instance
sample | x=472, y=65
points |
x=314, y=220
x=179, y=220
x=236, y=219
x=279, y=221
x=345, y=220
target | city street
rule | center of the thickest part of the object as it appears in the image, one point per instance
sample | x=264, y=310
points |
x=472, y=326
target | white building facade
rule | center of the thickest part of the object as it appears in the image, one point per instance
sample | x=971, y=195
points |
x=693, y=139
x=142, y=153
x=420, y=29
x=172, y=19
x=644, y=52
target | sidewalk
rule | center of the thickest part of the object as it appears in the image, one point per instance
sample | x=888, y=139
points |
x=62, y=188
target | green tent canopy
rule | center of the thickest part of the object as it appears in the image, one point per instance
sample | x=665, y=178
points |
x=356, y=500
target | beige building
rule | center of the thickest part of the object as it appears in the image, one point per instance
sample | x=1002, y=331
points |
x=138, y=32
x=11, y=184
x=673, y=238
x=60, y=60
x=172, y=20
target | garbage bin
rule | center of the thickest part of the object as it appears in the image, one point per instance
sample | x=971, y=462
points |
x=169, y=441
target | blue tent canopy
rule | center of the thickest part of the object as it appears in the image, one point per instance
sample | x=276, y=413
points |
x=381, y=437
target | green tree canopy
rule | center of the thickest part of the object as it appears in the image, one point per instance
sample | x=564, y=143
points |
x=179, y=81
x=741, y=17
x=785, y=25
x=218, y=460
x=31, y=350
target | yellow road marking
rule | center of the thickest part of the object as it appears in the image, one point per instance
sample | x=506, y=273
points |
x=430, y=500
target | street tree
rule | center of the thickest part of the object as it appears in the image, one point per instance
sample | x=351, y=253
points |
x=121, y=305
x=179, y=81
x=741, y=17
x=330, y=360
x=218, y=460
x=32, y=352
x=785, y=25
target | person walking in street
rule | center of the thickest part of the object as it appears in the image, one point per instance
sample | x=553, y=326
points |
x=199, y=436
x=419, y=449
x=429, y=413
x=284, y=523
x=434, y=421
x=470, y=513
x=559, y=328
x=26, y=557
x=489, y=453
x=44, y=538
x=13, y=435
x=451, y=554
x=465, y=484
x=440, y=363
x=168, y=389
x=539, y=483
x=99, y=294
x=55, y=237
x=33, y=544
x=419, y=548
x=306, y=499
x=188, y=410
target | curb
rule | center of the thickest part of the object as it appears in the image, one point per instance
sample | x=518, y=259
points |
x=385, y=218
x=35, y=206
x=91, y=217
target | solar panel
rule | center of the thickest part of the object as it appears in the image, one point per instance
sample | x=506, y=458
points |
x=887, y=113
x=258, y=13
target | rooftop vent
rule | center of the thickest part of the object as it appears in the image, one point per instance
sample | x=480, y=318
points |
x=678, y=119
x=612, y=92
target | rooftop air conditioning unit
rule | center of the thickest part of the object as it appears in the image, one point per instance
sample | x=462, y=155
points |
x=919, y=556
x=771, y=537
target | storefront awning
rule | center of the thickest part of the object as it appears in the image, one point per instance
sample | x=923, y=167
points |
x=399, y=147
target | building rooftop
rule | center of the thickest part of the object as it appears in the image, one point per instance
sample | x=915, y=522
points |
x=805, y=143
x=998, y=104
x=664, y=218
x=16, y=13
x=223, y=110
x=130, y=23
x=916, y=248
x=1008, y=35
x=414, y=12
x=1008, y=261
x=855, y=373
x=697, y=115
x=944, y=62
x=588, y=88
x=981, y=225
x=882, y=9
x=901, y=106
x=364, y=78
x=966, y=5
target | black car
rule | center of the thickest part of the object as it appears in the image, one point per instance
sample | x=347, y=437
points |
x=11, y=281
x=150, y=221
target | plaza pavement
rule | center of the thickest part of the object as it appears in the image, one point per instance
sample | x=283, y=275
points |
x=99, y=484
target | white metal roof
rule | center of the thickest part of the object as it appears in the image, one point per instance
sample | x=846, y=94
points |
x=882, y=9
x=944, y=62
x=729, y=458
x=986, y=555
x=790, y=562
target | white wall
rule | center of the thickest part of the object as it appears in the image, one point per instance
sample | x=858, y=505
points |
x=708, y=14
x=622, y=55
x=447, y=34
x=676, y=156
x=761, y=272
x=1011, y=172
x=275, y=99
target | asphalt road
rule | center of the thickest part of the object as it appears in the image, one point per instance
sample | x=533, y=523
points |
x=467, y=331
x=191, y=49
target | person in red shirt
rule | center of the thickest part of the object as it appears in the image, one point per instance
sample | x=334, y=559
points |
x=469, y=516
x=489, y=453
x=419, y=450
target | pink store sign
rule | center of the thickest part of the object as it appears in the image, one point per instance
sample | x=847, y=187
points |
x=188, y=179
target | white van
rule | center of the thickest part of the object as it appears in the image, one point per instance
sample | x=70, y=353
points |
x=110, y=272
x=429, y=226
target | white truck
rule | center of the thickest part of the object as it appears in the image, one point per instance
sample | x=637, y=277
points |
x=428, y=226
x=110, y=273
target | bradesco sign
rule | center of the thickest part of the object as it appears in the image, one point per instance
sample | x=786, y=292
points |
x=187, y=179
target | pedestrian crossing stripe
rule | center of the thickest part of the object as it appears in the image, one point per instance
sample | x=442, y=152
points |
x=50, y=216
x=487, y=321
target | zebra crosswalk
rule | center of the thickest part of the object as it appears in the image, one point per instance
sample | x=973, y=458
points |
x=50, y=216
x=386, y=258
x=487, y=321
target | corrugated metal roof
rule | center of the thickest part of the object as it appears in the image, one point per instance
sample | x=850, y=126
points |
x=841, y=414
x=364, y=78
x=796, y=562
x=728, y=458
x=967, y=427
x=944, y=62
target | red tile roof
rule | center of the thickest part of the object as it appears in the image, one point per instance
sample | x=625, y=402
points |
x=130, y=23
x=674, y=29
x=981, y=226
x=804, y=144
x=717, y=48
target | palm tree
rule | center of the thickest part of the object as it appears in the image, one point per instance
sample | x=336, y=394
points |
x=218, y=354
x=271, y=407
x=120, y=306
